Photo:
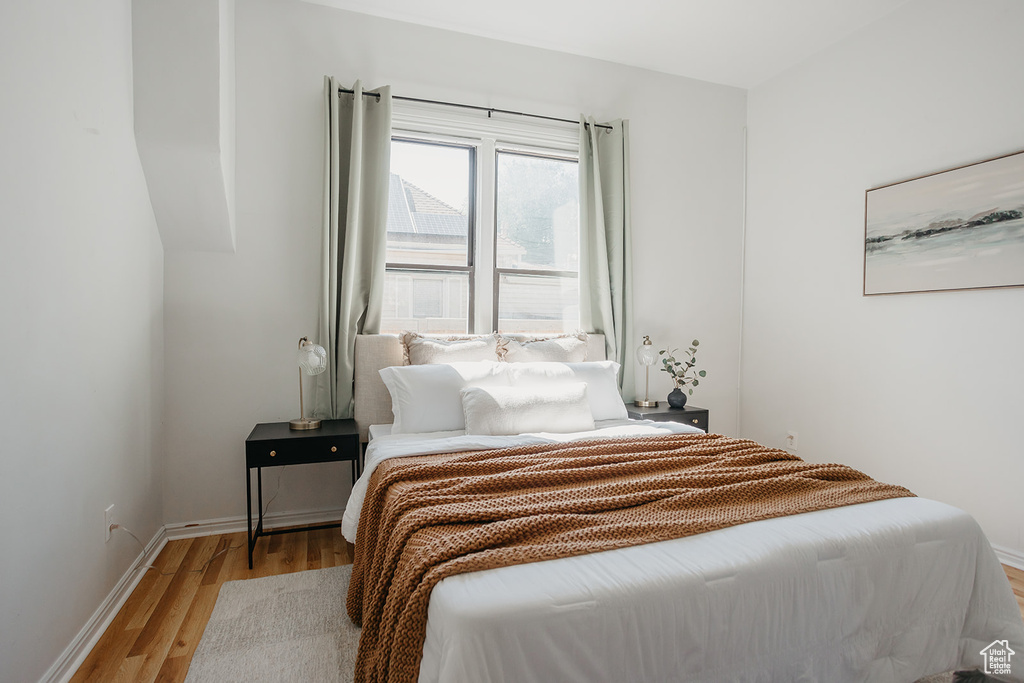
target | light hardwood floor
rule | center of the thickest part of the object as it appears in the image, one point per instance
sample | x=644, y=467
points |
x=1016, y=577
x=154, y=635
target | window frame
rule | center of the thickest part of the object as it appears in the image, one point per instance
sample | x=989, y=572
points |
x=471, y=219
x=486, y=137
x=537, y=272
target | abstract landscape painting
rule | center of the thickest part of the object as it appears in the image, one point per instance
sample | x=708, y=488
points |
x=958, y=229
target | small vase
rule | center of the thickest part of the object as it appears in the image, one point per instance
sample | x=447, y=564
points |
x=677, y=399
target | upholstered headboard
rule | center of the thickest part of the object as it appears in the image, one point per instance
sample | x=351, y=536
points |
x=377, y=351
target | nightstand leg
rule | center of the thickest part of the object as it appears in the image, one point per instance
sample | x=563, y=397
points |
x=248, y=509
x=259, y=518
x=259, y=503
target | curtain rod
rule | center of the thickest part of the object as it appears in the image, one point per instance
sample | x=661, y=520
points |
x=489, y=110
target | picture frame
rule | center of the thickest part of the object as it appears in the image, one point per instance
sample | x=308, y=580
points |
x=961, y=228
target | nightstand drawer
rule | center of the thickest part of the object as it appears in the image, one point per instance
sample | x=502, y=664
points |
x=700, y=421
x=274, y=443
x=690, y=415
x=309, y=450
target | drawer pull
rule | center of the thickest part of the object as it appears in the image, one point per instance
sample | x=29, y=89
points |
x=334, y=449
x=695, y=421
x=273, y=453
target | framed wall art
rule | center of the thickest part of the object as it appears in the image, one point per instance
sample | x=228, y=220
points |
x=956, y=229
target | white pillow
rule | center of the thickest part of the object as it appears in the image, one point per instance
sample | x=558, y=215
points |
x=425, y=398
x=519, y=410
x=568, y=348
x=600, y=376
x=420, y=350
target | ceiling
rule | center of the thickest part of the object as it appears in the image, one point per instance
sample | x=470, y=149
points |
x=734, y=42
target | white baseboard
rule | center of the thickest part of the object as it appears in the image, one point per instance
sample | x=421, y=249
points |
x=1009, y=556
x=79, y=648
x=75, y=653
x=230, y=525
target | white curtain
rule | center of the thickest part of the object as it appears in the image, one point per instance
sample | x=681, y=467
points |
x=606, y=256
x=357, y=164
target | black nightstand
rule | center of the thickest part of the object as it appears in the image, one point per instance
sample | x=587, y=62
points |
x=690, y=415
x=273, y=444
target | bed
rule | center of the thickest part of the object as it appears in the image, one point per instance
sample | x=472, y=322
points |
x=889, y=590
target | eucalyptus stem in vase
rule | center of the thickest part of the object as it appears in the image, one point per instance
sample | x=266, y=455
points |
x=682, y=372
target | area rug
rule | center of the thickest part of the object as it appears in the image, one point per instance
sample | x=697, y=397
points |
x=287, y=628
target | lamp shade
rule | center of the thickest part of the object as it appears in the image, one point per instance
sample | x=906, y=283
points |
x=312, y=358
x=645, y=354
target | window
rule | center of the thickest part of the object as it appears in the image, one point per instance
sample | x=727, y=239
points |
x=482, y=235
x=429, y=238
x=537, y=247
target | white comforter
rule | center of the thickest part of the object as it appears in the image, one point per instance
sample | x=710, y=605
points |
x=886, y=591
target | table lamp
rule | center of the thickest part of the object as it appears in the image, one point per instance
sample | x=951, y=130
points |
x=646, y=356
x=312, y=360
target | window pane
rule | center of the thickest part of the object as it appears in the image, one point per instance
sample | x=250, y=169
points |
x=538, y=303
x=428, y=203
x=537, y=213
x=426, y=298
x=433, y=302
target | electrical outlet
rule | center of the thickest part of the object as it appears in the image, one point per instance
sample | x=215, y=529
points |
x=791, y=441
x=108, y=520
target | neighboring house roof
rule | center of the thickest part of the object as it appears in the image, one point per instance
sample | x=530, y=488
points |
x=399, y=216
x=414, y=213
x=416, y=216
x=421, y=201
x=444, y=225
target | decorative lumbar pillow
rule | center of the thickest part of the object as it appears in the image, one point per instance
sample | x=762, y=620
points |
x=425, y=398
x=566, y=348
x=498, y=410
x=601, y=378
x=420, y=350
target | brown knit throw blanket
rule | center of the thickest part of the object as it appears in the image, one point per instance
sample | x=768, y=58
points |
x=428, y=517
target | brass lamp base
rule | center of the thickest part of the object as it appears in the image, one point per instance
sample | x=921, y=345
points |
x=304, y=423
x=645, y=404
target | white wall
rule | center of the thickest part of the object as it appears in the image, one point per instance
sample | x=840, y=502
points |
x=916, y=389
x=183, y=58
x=81, y=334
x=233, y=319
